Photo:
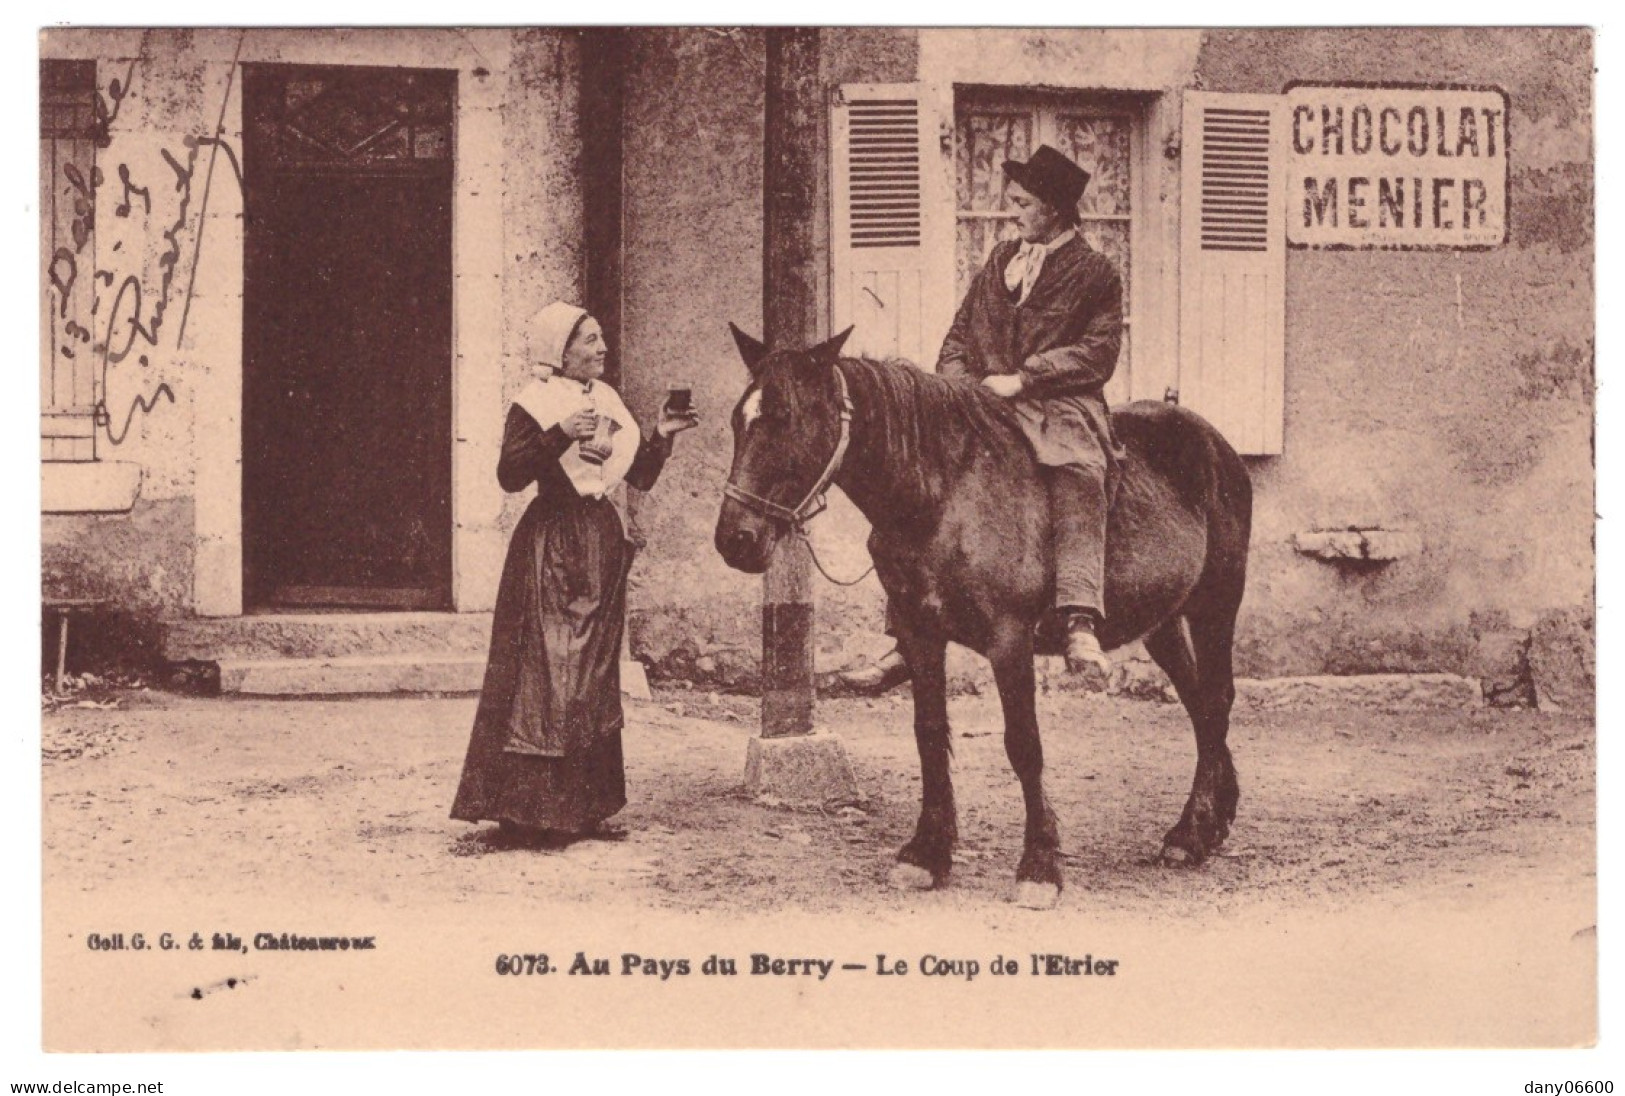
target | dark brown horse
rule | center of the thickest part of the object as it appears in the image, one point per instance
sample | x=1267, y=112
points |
x=960, y=542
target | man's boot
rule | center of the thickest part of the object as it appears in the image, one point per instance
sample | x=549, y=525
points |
x=1083, y=654
x=873, y=678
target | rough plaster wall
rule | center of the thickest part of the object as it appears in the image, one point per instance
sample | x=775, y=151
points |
x=1110, y=60
x=693, y=217
x=694, y=263
x=542, y=187
x=1449, y=393
x=873, y=55
x=541, y=207
x=140, y=562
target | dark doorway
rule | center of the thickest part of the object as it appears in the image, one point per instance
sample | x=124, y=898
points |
x=347, y=337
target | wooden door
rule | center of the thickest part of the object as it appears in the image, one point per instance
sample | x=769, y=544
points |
x=347, y=337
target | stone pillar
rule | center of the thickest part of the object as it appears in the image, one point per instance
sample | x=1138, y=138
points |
x=787, y=760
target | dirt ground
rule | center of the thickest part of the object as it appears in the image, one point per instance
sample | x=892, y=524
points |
x=1390, y=817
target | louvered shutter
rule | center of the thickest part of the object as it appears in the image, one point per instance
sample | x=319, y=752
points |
x=1233, y=266
x=892, y=221
x=68, y=182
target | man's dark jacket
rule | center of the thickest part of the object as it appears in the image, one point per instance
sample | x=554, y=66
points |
x=1063, y=340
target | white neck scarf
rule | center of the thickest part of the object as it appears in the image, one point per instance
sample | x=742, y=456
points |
x=1029, y=261
x=552, y=399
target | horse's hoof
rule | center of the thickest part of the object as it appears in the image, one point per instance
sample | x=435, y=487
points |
x=910, y=877
x=1174, y=856
x=1038, y=896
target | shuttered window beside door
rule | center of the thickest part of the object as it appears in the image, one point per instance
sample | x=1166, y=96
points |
x=891, y=258
x=1233, y=267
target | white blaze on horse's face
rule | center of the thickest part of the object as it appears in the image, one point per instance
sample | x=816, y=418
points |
x=751, y=409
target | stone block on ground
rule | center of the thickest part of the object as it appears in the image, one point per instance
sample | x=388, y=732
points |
x=853, y=650
x=1141, y=679
x=1410, y=691
x=635, y=680
x=811, y=769
x=1132, y=676
x=1562, y=661
x=1502, y=664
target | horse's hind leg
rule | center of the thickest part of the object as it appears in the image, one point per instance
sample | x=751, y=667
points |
x=928, y=857
x=1200, y=669
x=1213, y=636
x=1038, y=877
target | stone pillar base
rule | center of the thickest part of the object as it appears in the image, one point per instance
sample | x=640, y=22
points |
x=801, y=769
x=635, y=680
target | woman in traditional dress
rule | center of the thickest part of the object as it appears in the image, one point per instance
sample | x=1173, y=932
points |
x=545, y=756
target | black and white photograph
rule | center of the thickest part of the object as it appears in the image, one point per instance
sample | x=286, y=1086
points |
x=808, y=537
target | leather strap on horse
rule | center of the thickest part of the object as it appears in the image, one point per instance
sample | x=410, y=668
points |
x=814, y=503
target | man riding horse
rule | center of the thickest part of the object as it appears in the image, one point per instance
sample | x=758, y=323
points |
x=1041, y=326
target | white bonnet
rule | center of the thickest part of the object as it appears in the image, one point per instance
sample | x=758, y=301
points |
x=554, y=326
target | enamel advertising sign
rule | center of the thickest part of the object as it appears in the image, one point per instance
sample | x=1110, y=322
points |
x=1396, y=167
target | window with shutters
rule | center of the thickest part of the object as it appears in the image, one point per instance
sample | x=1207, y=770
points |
x=1101, y=133
x=918, y=202
x=68, y=179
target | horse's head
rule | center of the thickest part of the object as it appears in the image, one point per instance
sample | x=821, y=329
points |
x=787, y=427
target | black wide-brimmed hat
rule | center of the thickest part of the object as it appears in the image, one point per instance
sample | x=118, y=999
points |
x=1050, y=176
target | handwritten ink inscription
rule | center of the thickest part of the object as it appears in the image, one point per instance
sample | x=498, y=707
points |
x=132, y=288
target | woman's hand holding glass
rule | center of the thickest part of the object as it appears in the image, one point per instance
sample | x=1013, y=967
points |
x=674, y=420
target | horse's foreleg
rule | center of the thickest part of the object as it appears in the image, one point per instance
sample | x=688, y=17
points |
x=928, y=857
x=1038, y=877
x=1200, y=669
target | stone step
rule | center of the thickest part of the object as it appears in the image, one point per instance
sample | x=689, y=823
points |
x=355, y=674
x=363, y=674
x=326, y=636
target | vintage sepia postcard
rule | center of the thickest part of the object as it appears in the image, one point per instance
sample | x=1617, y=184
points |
x=697, y=537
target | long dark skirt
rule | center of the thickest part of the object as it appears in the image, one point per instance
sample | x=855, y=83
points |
x=546, y=747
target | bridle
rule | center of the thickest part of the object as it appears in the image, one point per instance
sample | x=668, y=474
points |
x=814, y=503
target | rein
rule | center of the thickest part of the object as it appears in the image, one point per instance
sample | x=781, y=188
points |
x=815, y=501
x=813, y=552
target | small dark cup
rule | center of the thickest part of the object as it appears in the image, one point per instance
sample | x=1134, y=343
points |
x=680, y=397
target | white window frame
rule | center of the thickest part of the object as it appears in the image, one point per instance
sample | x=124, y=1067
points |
x=1152, y=228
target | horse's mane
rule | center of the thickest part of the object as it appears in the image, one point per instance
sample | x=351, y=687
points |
x=926, y=424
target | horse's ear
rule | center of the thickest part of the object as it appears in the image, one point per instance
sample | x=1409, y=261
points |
x=827, y=352
x=751, y=351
